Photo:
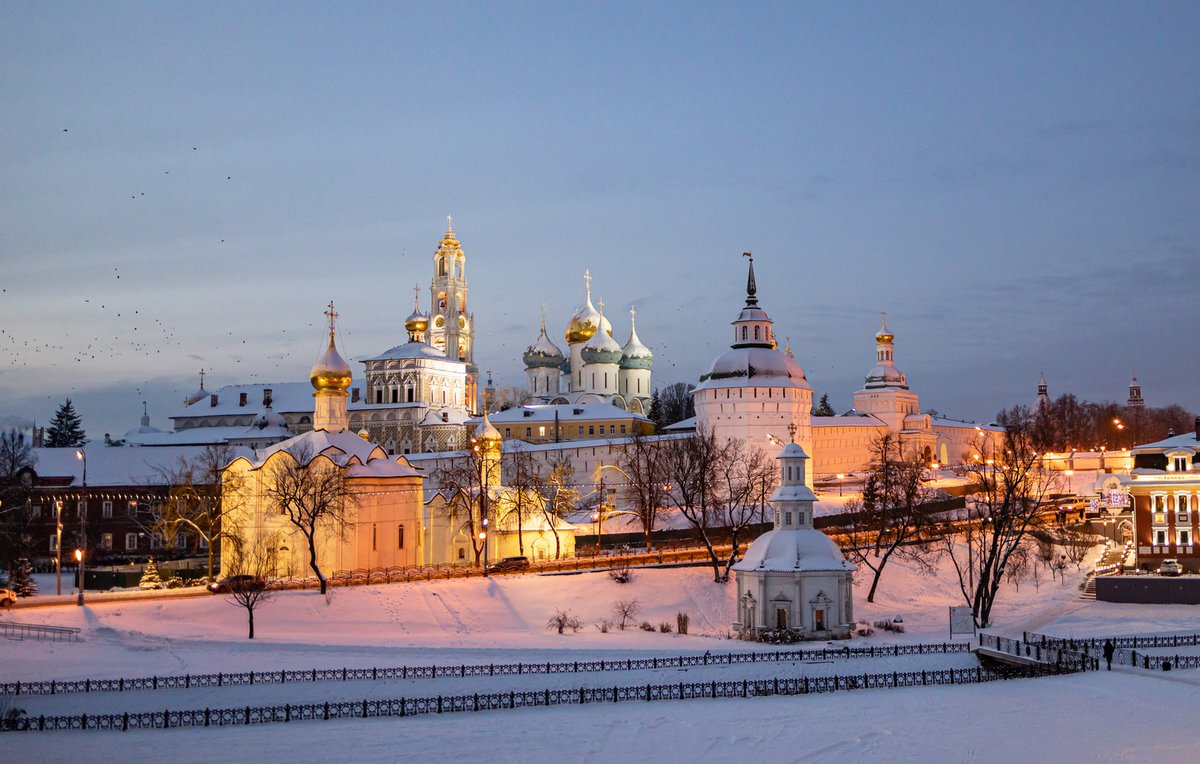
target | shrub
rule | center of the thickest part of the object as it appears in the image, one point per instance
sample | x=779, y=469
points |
x=621, y=574
x=664, y=627
x=604, y=625
x=647, y=626
x=681, y=622
x=174, y=582
x=626, y=611
x=888, y=624
x=562, y=620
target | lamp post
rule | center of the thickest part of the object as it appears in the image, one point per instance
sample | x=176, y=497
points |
x=483, y=538
x=58, y=545
x=840, y=476
x=79, y=567
x=81, y=455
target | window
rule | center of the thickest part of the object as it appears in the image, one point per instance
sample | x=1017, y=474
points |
x=462, y=553
x=106, y=509
x=400, y=537
x=622, y=429
x=507, y=431
x=591, y=429
x=744, y=330
x=580, y=429
x=395, y=395
x=53, y=542
x=379, y=395
x=542, y=431
x=131, y=542
x=1181, y=464
x=1160, y=538
x=374, y=537
x=203, y=543
x=106, y=541
x=155, y=541
x=528, y=431
x=1185, y=538
x=756, y=332
x=787, y=518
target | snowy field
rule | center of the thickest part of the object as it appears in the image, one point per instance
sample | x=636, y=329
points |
x=476, y=621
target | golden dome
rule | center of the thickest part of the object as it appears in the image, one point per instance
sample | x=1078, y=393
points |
x=330, y=373
x=581, y=329
x=417, y=322
x=884, y=335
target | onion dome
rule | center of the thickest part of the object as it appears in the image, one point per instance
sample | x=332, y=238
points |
x=586, y=319
x=199, y=395
x=542, y=353
x=635, y=355
x=330, y=373
x=884, y=334
x=486, y=434
x=417, y=322
x=601, y=348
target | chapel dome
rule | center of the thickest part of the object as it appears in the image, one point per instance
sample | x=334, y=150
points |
x=754, y=366
x=586, y=319
x=794, y=550
x=330, y=372
x=601, y=348
x=635, y=355
x=416, y=322
x=542, y=353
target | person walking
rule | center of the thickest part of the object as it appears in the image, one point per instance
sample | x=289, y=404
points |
x=1109, y=650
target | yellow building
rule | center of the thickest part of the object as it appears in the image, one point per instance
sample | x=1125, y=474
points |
x=380, y=497
x=517, y=523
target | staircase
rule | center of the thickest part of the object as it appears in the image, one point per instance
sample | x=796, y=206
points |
x=1087, y=590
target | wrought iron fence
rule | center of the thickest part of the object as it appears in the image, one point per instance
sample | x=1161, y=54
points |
x=216, y=717
x=284, y=676
x=1092, y=643
x=1061, y=656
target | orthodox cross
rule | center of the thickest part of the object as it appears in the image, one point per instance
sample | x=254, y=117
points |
x=202, y=379
x=587, y=280
x=332, y=315
x=792, y=431
x=449, y=223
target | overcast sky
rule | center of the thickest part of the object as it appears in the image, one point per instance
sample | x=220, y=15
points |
x=186, y=185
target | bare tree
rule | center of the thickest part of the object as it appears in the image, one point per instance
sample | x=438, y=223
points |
x=199, y=498
x=626, y=612
x=558, y=496
x=641, y=461
x=1019, y=565
x=256, y=561
x=745, y=478
x=889, y=520
x=522, y=479
x=15, y=455
x=461, y=482
x=312, y=493
x=1012, y=491
x=1077, y=543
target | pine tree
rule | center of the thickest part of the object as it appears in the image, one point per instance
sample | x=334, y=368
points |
x=823, y=408
x=22, y=579
x=150, y=577
x=66, y=429
x=655, y=414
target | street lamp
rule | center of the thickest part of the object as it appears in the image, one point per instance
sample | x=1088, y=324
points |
x=81, y=455
x=58, y=544
x=1070, y=474
x=840, y=476
x=79, y=565
x=483, y=541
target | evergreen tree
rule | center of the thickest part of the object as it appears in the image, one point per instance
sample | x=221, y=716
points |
x=655, y=414
x=22, y=579
x=823, y=408
x=150, y=577
x=66, y=429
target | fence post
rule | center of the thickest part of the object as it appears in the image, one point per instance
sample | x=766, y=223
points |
x=776, y=685
x=51, y=686
x=219, y=678
x=287, y=712
x=125, y=720
x=251, y=677
x=476, y=701
x=327, y=710
x=247, y=721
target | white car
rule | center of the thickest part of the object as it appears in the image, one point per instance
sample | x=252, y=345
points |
x=1170, y=568
x=7, y=597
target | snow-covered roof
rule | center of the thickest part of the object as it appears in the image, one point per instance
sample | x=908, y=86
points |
x=683, y=425
x=1186, y=440
x=453, y=416
x=361, y=457
x=542, y=413
x=412, y=350
x=753, y=367
x=286, y=397
x=847, y=420
x=793, y=550
x=939, y=420
x=114, y=465
x=205, y=436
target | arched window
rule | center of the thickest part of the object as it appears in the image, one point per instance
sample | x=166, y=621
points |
x=743, y=332
x=756, y=332
x=441, y=266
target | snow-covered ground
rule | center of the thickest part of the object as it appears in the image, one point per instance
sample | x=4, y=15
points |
x=504, y=620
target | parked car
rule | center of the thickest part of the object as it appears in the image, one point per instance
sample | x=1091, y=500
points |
x=7, y=597
x=509, y=564
x=1170, y=568
x=237, y=584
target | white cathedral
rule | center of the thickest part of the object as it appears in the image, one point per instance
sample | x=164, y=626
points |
x=595, y=369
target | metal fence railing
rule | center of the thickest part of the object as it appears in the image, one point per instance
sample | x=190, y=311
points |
x=1060, y=656
x=402, y=707
x=13, y=630
x=1150, y=640
x=187, y=681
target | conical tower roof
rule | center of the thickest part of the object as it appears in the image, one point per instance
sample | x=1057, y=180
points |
x=635, y=355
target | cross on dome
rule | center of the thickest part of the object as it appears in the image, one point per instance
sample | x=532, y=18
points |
x=792, y=431
x=332, y=315
x=587, y=282
x=449, y=223
x=202, y=379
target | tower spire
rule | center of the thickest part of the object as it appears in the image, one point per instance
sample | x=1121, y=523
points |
x=751, y=286
x=449, y=224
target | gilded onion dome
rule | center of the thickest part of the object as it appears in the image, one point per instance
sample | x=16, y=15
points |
x=417, y=322
x=586, y=319
x=635, y=355
x=331, y=372
x=543, y=353
x=884, y=334
x=601, y=348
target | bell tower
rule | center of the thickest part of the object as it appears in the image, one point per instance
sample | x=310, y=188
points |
x=451, y=325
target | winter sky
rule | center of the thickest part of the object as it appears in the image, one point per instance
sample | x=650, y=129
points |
x=186, y=186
